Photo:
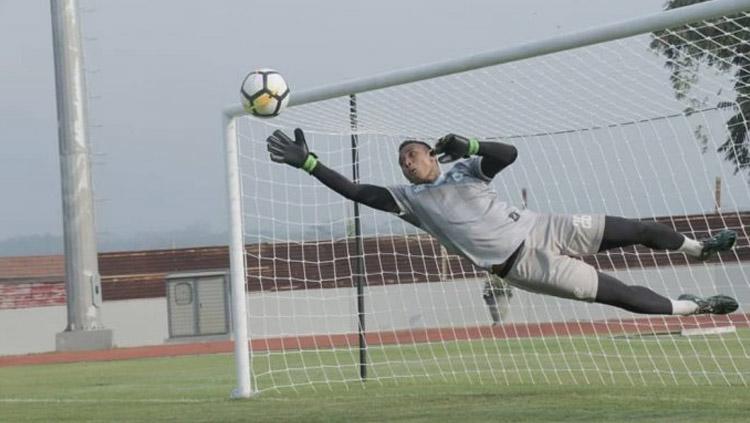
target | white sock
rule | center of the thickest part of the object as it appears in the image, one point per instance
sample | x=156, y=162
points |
x=683, y=307
x=691, y=247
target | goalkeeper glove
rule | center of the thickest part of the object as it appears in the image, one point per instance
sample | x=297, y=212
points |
x=292, y=152
x=453, y=147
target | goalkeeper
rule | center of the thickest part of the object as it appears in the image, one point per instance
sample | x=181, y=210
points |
x=532, y=251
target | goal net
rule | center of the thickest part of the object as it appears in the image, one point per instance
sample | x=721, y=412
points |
x=642, y=127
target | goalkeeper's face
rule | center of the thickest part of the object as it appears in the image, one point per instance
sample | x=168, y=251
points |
x=418, y=163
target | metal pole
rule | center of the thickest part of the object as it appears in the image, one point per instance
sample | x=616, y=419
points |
x=609, y=32
x=359, y=265
x=82, y=281
x=717, y=195
x=237, y=262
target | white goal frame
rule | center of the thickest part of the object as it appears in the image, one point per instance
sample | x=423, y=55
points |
x=600, y=34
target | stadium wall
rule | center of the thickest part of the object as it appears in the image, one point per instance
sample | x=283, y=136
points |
x=137, y=322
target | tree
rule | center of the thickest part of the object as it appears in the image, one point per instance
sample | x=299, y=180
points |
x=722, y=44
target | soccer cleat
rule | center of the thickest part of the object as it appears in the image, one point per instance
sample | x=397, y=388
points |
x=722, y=241
x=718, y=304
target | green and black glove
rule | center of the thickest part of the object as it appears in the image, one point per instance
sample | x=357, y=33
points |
x=292, y=152
x=453, y=147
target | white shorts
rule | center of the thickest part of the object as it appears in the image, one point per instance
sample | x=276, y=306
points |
x=544, y=264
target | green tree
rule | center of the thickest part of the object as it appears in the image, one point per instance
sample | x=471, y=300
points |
x=722, y=44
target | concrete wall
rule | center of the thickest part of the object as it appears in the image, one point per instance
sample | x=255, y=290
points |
x=134, y=322
x=460, y=303
x=144, y=321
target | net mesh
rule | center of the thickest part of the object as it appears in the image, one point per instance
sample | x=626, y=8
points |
x=637, y=128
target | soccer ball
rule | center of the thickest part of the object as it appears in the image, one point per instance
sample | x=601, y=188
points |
x=264, y=93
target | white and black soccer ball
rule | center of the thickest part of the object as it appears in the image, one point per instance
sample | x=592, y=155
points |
x=264, y=93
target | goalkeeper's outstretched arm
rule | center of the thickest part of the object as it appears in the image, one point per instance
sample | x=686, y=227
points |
x=295, y=153
x=369, y=195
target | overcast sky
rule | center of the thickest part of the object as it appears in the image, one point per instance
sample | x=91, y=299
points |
x=159, y=73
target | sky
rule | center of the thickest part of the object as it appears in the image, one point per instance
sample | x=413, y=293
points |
x=160, y=72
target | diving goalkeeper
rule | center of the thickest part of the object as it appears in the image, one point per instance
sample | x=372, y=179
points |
x=532, y=251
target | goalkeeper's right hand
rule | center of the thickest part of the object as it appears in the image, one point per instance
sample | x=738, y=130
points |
x=292, y=152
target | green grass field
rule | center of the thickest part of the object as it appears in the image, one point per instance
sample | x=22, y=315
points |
x=578, y=379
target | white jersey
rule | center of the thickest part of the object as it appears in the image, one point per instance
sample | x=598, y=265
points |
x=462, y=211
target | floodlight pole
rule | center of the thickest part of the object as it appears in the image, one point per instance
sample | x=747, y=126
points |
x=84, y=330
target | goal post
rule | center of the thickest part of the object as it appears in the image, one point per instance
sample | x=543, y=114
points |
x=603, y=134
x=237, y=269
x=654, y=22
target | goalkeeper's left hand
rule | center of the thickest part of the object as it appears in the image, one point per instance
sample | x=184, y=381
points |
x=292, y=152
x=453, y=147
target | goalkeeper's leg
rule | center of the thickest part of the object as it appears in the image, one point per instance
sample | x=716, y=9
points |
x=621, y=232
x=543, y=271
x=540, y=266
x=640, y=299
x=637, y=299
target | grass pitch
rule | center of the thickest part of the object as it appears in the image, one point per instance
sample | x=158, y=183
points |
x=566, y=379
